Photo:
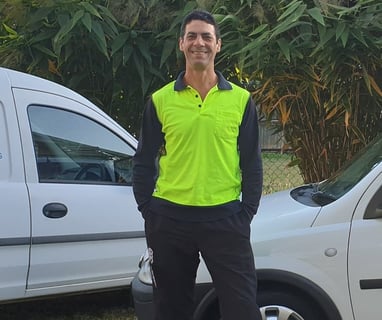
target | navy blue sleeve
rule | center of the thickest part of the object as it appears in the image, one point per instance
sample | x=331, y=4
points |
x=145, y=168
x=250, y=160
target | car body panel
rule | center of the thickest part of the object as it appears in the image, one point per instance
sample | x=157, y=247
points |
x=365, y=256
x=96, y=242
x=15, y=208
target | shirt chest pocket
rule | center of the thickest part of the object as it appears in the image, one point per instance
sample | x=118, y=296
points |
x=227, y=124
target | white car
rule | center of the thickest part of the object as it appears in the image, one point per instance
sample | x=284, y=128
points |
x=68, y=218
x=318, y=250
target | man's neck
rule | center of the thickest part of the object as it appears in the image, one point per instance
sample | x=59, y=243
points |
x=202, y=81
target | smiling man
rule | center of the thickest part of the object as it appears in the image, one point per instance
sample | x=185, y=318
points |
x=204, y=131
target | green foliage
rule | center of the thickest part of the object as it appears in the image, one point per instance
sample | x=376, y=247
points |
x=82, y=45
x=317, y=68
x=315, y=65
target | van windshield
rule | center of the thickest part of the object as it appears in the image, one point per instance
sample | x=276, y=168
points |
x=352, y=172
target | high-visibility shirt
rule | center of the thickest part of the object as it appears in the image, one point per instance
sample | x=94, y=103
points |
x=209, y=149
x=199, y=165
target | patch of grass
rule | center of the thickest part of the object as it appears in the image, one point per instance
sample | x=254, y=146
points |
x=115, y=305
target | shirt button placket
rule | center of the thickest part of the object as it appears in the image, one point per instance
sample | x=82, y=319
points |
x=197, y=97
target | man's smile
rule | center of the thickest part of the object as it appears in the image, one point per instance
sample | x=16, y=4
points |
x=198, y=51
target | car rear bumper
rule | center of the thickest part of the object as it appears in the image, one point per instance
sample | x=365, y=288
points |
x=143, y=299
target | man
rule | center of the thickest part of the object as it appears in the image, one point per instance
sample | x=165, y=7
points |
x=204, y=130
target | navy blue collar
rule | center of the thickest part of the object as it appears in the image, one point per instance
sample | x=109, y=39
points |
x=223, y=84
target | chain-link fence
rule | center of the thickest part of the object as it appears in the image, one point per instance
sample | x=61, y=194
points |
x=277, y=174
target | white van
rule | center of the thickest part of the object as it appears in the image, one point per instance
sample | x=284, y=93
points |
x=318, y=250
x=68, y=218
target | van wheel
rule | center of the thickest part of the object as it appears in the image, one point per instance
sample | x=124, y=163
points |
x=279, y=305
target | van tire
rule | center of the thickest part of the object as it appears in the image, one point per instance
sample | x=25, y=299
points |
x=281, y=305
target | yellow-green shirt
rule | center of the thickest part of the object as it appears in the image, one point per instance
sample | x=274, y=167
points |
x=209, y=153
x=200, y=162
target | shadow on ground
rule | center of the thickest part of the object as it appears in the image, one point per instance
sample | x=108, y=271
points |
x=115, y=305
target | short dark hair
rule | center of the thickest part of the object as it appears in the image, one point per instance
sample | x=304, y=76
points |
x=199, y=15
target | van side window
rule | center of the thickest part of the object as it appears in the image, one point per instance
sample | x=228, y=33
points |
x=374, y=208
x=71, y=148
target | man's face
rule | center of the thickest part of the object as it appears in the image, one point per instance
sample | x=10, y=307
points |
x=199, y=45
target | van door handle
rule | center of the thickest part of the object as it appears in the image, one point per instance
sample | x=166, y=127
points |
x=54, y=210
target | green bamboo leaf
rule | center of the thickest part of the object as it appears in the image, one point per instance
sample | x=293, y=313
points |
x=229, y=18
x=45, y=50
x=89, y=8
x=108, y=31
x=290, y=22
x=291, y=8
x=116, y=63
x=345, y=36
x=281, y=28
x=315, y=13
x=358, y=35
x=9, y=38
x=65, y=30
x=325, y=36
x=77, y=16
x=190, y=5
x=143, y=47
x=9, y=30
x=42, y=37
x=126, y=53
x=100, y=38
x=284, y=46
x=340, y=29
x=119, y=42
x=256, y=44
x=67, y=55
x=87, y=21
x=298, y=13
x=140, y=69
x=168, y=48
x=99, y=46
x=259, y=29
x=106, y=13
x=111, y=25
x=145, y=87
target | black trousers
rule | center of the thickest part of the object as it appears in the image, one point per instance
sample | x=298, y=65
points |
x=225, y=247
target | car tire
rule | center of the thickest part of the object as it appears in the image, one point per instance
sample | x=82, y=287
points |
x=281, y=305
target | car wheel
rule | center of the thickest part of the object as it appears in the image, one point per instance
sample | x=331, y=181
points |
x=279, y=305
x=279, y=313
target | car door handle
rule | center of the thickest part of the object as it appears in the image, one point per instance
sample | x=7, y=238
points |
x=54, y=210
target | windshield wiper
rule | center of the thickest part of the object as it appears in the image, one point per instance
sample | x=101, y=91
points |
x=322, y=198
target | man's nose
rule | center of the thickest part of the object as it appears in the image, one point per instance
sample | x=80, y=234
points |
x=199, y=40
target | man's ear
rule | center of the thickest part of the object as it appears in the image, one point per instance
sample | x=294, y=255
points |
x=180, y=43
x=219, y=45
